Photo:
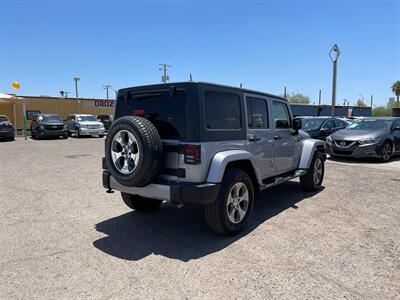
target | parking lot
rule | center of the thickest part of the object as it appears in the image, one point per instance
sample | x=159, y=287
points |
x=62, y=236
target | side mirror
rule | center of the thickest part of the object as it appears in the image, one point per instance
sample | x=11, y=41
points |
x=396, y=128
x=297, y=124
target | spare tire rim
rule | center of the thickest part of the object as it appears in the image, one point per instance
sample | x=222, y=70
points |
x=125, y=152
x=237, y=203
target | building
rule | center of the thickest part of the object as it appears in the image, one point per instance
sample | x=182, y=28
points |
x=325, y=110
x=13, y=108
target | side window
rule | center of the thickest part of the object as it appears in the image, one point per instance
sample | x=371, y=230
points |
x=257, y=114
x=281, y=115
x=329, y=124
x=396, y=123
x=339, y=123
x=222, y=110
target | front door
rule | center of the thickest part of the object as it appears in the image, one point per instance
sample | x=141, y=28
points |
x=284, y=141
x=259, y=134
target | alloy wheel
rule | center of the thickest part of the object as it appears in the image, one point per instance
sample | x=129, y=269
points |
x=125, y=152
x=237, y=203
x=317, y=172
x=386, y=152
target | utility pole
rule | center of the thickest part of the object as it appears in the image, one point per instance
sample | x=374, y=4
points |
x=319, y=98
x=106, y=87
x=372, y=100
x=284, y=92
x=76, y=79
x=334, y=57
x=164, y=67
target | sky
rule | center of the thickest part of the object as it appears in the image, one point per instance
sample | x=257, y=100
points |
x=265, y=45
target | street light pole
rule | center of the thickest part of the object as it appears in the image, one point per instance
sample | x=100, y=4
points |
x=334, y=55
x=76, y=79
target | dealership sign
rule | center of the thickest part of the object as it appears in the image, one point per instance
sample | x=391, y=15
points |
x=100, y=103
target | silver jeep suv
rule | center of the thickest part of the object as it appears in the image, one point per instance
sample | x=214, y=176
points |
x=207, y=144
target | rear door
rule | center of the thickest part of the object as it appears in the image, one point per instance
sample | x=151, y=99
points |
x=259, y=133
x=284, y=141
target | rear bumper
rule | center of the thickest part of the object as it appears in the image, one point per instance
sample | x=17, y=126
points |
x=177, y=193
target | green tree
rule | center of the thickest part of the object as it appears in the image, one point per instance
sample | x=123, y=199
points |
x=381, y=111
x=361, y=103
x=298, y=98
x=396, y=90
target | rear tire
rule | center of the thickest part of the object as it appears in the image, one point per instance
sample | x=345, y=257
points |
x=229, y=214
x=139, y=203
x=312, y=180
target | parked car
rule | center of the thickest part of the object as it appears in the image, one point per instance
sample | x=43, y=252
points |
x=367, y=137
x=48, y=125
x=321, y=127
x=6, y=129
x=206, y=144
x=81, y=125
x=106, y=120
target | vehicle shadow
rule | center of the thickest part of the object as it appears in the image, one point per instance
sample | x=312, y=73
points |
x=363, y=160
x=183, y=234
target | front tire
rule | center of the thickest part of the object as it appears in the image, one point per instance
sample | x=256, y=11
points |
x=139, y=203
x=387, y=151
x=229, y=213
x=312, y=180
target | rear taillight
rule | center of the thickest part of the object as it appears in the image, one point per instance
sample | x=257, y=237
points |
x=138, y=112
x=192, y=154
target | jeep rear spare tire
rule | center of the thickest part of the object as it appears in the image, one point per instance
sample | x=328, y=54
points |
x=133, y=151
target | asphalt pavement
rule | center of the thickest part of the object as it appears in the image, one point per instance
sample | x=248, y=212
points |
x=63, y=237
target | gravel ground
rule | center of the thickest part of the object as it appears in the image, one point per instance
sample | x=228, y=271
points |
x=62, y=236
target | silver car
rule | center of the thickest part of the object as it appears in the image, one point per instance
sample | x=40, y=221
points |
x=84, y=125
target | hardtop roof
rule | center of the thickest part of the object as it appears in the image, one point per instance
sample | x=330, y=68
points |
x=183, y=83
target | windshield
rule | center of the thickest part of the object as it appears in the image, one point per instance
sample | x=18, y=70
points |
x=311, y=124
x=52, y=118
x=86, y=118
x=370, y=124
x=3, y=119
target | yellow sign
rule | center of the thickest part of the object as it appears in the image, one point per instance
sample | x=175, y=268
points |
x=16, y=85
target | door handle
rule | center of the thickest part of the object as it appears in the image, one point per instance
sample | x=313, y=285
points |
x=253, y=138
x=278, y=137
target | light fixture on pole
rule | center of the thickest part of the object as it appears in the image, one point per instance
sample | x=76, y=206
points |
x=76, y=79
x=16, y=86
x=334, y=55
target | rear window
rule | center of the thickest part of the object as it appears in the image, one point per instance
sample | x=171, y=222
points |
x=222, y=110
x=165, y=111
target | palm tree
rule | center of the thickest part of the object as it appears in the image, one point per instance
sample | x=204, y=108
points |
x=396, y=91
